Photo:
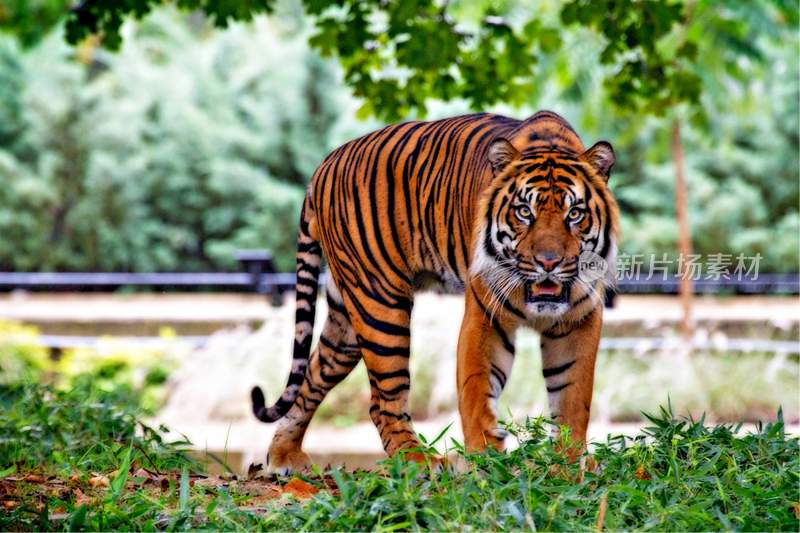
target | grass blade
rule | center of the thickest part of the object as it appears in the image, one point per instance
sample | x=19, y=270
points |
x=183, y=501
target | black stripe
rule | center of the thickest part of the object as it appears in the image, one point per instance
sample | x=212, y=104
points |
x=391, y=394
x=380, y=349
x=302, y=264
x=550, y=372
x=328, y=344
x=380, y=325
x=507, y=344
x=380, y=376
x=336, y=306
x=401, y=416
x=304, y=315
x=308, y=247
x=582, y=299
x=559, y=387
x=306, y=282
x=551, y=335
x=499, y=375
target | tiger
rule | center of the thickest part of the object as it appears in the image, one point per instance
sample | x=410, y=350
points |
x=498, y=208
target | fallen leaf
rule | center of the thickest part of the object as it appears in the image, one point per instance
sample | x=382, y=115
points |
x=33, y=478
x=81, y=498
x=257, y=501
x=796, y=508
x=143, y=475
x=99, y=481
x=10, y=504
x=300, y=489
x=641, y=473
x=58, y=492
x=212, y=482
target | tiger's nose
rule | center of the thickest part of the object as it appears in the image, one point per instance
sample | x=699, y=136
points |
x=548, y=260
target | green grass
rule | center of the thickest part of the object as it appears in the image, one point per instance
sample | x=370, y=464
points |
x=83, y=429
x=677, y=475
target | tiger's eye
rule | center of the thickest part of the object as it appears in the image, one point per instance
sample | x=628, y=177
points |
x=524, y=211
x=575, y=215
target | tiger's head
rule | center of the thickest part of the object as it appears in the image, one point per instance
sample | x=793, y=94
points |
x=548, y=226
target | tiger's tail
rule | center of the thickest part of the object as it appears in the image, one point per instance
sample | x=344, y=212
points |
x=308, y=256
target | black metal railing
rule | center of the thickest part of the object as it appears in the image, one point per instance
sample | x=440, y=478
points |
x=258, y=275
x=761, y=284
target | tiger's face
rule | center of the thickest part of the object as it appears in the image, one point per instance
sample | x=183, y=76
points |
x=544, y=215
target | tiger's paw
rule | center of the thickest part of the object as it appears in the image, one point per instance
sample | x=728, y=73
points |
x=478, y=441
x=456, y=463
x=435, y=462
x=589, y=464
x=568, y=472
x=496, y=438
x=284, y=463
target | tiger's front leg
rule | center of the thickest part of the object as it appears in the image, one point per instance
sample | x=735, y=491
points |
x=568, y=358
x=485, y=358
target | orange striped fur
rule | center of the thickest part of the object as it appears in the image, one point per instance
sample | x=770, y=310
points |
x=496, y=207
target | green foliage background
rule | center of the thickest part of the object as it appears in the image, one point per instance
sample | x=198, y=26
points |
x=191, y=142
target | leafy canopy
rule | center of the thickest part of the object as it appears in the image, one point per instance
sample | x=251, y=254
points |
x=396, y=55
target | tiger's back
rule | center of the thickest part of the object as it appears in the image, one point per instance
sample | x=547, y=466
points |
x=407, y=194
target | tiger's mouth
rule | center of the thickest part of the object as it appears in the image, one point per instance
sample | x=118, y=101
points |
x=545, y=291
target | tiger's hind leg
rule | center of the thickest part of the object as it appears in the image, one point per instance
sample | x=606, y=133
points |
x=331, y=361
x=383, y=332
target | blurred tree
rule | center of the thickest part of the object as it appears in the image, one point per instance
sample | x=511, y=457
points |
x=665, y=52
x=11, y=84
x=163, y=156
x=384, y=47
x=31, y=20
x=150, y=136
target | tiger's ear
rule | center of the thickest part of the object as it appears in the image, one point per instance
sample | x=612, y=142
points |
x=501, y=153
x=601, y=157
